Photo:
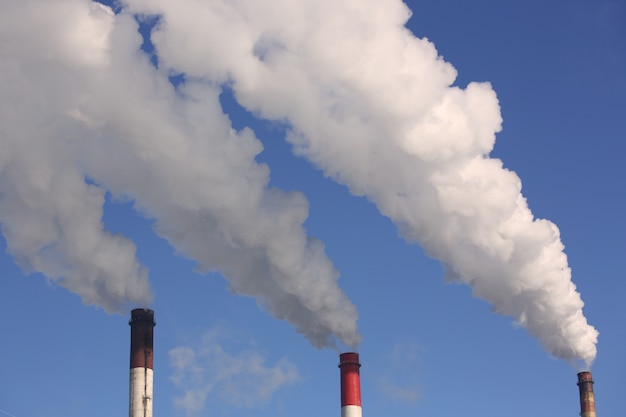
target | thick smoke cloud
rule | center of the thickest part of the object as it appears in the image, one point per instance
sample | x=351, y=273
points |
x=51, y=58
x=368, y=103
x=84, y=112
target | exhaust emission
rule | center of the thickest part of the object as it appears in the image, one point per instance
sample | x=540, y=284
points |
x=350, y=385
x=587, y=398
x=141, y=362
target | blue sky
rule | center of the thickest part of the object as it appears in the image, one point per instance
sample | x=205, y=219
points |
x=428, y=347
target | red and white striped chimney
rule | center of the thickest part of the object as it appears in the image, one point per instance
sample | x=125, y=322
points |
x=350, y=384
x=141, y=360
x=587, y=398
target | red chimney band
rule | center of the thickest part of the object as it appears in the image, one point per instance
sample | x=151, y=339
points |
x=350, y=379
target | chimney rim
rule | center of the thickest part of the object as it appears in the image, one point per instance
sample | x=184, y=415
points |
x=142, y=315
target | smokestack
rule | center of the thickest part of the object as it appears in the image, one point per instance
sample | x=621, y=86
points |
x=141, y=332
x=587, y=399
x=350, y=385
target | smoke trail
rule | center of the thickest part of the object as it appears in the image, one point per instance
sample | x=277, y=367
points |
x=78, y=100
x=375, y=108
x=51, y=218
x=369, y=104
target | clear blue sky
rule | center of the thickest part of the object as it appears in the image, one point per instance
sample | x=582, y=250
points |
x=428, y=348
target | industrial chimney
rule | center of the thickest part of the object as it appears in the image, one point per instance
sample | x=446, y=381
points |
x=141, y=332
x=587, y=399
x=350, y=384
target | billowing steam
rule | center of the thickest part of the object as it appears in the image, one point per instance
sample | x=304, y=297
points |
x=78, y=100
x=367, y=102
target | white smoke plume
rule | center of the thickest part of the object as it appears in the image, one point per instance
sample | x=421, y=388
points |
x=368, y=103
x=79, y=100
